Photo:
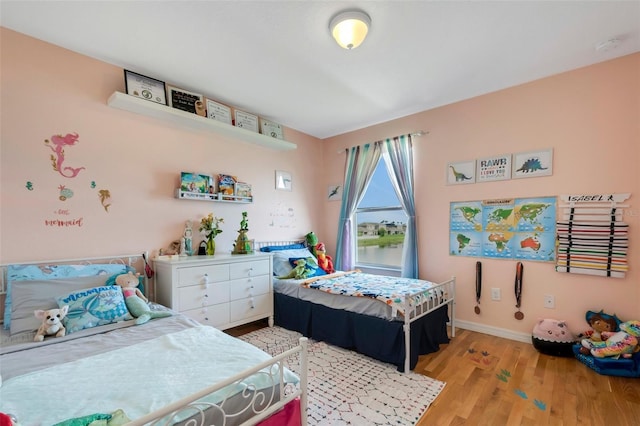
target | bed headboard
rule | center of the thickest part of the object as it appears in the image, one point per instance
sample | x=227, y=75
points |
x=133, y=260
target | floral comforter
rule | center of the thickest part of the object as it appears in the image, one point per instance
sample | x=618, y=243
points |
x=389, y=290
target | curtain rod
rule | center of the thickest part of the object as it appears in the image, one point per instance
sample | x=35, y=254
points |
x=417, y=133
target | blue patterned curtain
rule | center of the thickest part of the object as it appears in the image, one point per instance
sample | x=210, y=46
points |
x=361, y=163
x=398, y=156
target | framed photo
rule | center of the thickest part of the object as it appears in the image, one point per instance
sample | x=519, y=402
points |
x=494, y=168
x=144, y=87
x=461, y=172
x=195, y=182
x=533, y=164
x=334, y=192
x=270, y=128
x=186, y=101
x=243, y=189
x=283, y=180
x=247, y=121
x=218, y=112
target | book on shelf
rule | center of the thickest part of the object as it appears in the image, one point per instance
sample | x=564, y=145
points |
x=243, y=189
x=226, y=185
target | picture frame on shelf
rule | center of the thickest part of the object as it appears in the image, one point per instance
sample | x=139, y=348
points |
x=533, y=164
x=494, y=168
x=243, y=189
x=226, y=186
x=283, y=180
x=185, y=100
x=195, y=182
x=461, y=172
x=246, y=120
x=144, y=87
x=269, y=128
x=217, y=111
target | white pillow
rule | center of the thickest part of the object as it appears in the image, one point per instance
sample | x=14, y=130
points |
x=281, y=265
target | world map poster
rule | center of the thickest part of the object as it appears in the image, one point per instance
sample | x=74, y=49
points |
x=514, y=228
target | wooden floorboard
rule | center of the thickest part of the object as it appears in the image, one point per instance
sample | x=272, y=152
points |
x=494, y=381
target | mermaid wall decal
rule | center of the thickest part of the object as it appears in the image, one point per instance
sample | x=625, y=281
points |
x=57, y=145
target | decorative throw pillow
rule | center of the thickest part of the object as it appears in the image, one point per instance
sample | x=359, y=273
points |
x=281, y=265
x=294, y=246
x=92, y=307
x=311, y=267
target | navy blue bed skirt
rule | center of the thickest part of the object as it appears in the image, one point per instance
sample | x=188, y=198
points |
x=375, y=337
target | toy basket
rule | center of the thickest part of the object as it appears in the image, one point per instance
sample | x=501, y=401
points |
x=625, y=367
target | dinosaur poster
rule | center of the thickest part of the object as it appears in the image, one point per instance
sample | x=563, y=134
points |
x=520, y=228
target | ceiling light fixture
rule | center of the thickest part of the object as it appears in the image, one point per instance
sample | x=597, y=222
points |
x=349, y=28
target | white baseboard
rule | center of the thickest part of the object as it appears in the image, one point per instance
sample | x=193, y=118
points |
x=494, y=331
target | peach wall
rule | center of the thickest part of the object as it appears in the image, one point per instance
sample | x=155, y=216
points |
x=591, y=119
x=47, y=90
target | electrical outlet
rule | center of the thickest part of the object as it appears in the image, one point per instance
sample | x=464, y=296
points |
x=495, y=294
x=549, y=301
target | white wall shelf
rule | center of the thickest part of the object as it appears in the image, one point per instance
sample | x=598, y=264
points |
x=213, y=197
x=194, y=122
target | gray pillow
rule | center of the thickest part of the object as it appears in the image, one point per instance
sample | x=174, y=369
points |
x=28, y=296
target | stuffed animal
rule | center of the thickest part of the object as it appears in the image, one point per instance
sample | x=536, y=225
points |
x=553, y=337
x=136, y=301
x=51, y=323
x=621, y=343
x=300, y=272
x=599, y=322
x=311, y=240
x=324, y=261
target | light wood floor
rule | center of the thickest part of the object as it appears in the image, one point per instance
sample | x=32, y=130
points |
x=513, y=384
x=494, y=381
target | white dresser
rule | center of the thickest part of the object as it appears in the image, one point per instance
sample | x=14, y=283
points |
x=223, y=291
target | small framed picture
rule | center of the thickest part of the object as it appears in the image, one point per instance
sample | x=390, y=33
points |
x=283, y=180
x=461, y=172
x=195, y=182
x=144, y=87
x=493, y=168
x=270, y=128
x=187, y=101
x=334, y=192
x=243, y=190
x=218, y=112
x=533, y=164
x=247, y=121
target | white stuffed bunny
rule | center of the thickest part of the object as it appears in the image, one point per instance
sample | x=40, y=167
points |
x=51, y=323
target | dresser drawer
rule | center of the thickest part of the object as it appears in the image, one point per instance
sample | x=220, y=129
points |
x=198, y=296
x=202, y=274
x=249, y=269
x=250, y=307
x=247, y=287
x=215, y=316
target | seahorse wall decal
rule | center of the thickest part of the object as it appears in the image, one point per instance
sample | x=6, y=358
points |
x=460, y=177
x=57, y=144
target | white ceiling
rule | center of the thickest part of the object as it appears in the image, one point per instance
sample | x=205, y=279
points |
x=277, y=59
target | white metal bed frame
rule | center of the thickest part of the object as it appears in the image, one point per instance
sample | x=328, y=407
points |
x=189, y=406
x=416, y=305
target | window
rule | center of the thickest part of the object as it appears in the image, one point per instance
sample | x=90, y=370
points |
x=381, y=223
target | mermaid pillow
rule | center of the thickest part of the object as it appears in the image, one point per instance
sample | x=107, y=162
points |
x=93, y=307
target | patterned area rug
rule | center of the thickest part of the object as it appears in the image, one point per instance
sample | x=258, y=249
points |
x=348, y=388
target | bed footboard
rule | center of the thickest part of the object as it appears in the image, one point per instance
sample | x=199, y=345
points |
x=419, y=304
x=258, y=404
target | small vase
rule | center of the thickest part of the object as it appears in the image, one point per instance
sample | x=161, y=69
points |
x=211, y=246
